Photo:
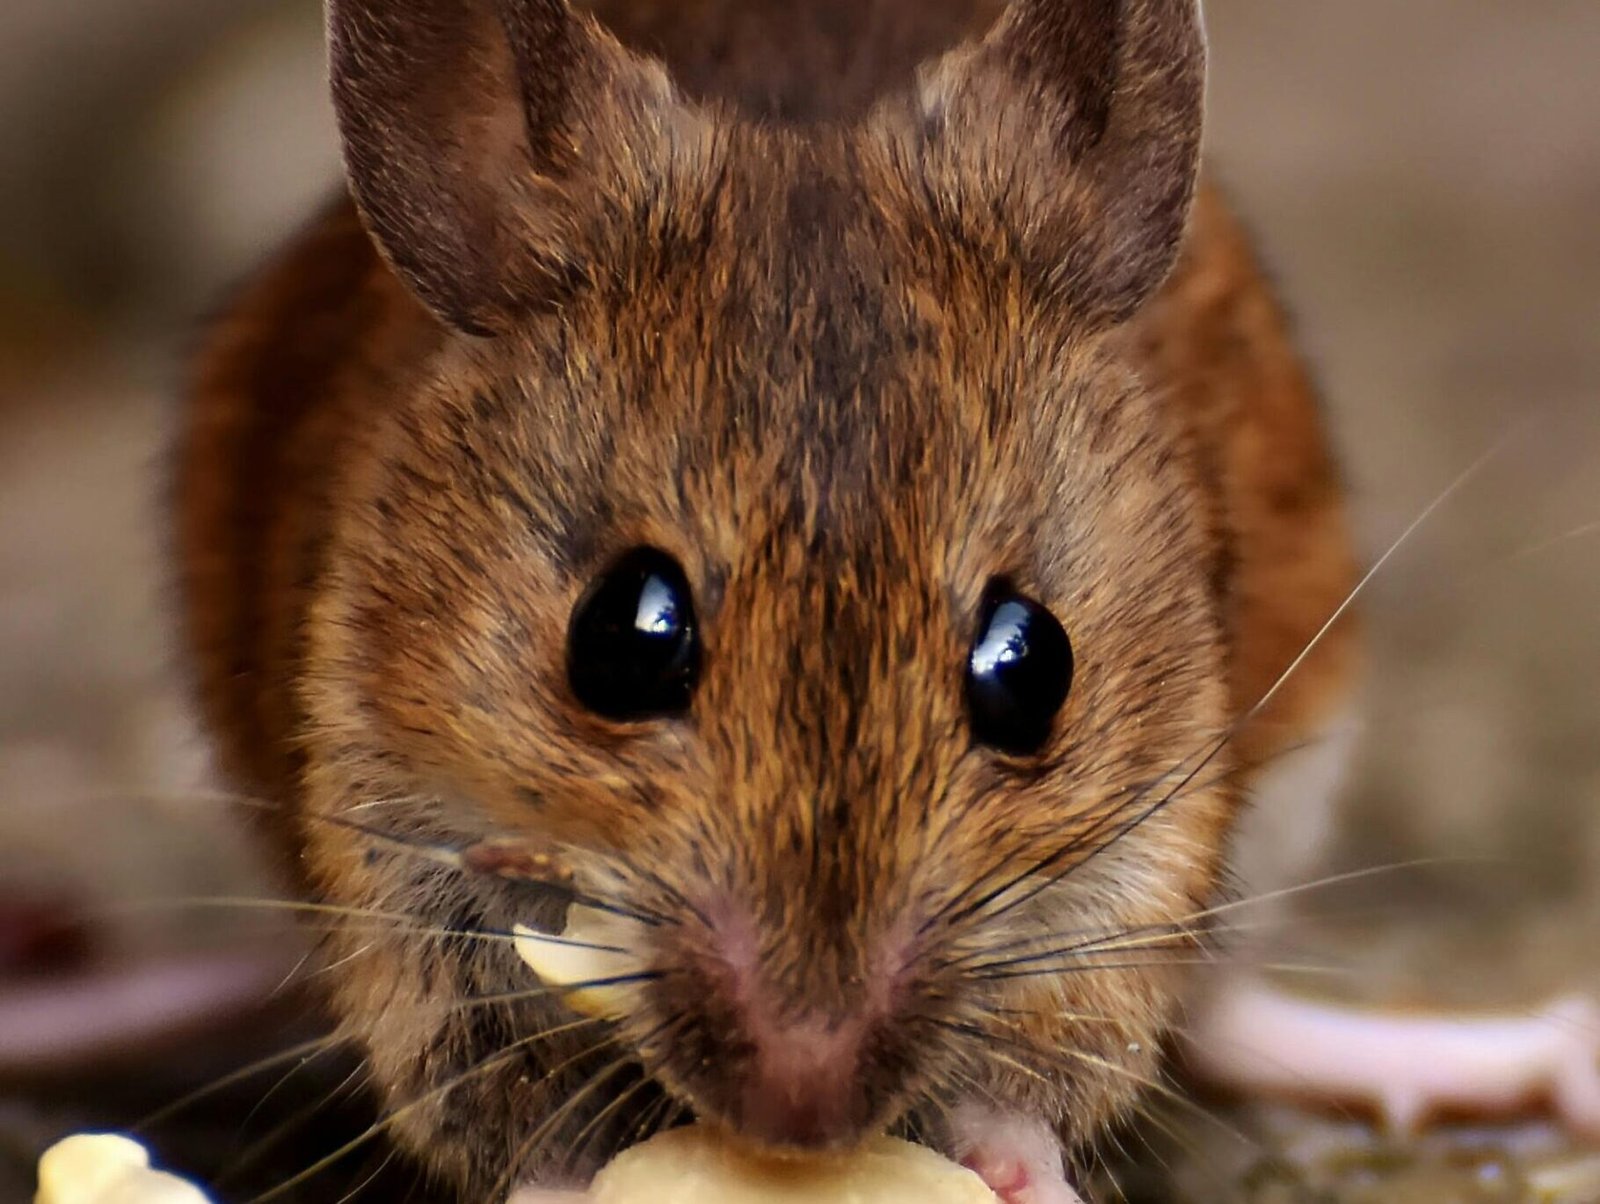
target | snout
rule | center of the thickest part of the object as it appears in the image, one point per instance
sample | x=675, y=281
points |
x=802, y=1085
x=793, y=1056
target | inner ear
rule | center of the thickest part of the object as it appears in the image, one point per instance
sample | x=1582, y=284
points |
x=1069, y=137
x=481, y=137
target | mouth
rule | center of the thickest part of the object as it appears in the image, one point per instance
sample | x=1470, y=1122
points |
x=593, y=964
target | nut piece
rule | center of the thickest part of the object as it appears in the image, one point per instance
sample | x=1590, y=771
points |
x=695, y=1166
x=103, y=1168
x=591, y=949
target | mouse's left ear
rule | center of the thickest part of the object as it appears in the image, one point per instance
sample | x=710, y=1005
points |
x=498, y=150
x=1069, y=137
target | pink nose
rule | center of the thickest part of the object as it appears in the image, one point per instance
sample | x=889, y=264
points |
x=803, y=1085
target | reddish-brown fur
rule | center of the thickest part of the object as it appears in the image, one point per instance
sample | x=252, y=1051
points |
x=847, y=364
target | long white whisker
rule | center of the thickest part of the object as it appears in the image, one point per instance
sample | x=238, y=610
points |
x=1416, y=524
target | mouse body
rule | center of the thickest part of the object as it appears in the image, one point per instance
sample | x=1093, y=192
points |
x=830, y=484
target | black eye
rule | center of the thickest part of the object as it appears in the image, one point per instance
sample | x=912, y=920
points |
x=1018, y=673
x=633, y=651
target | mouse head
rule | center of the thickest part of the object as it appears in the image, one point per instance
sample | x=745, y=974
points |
x=778, y=535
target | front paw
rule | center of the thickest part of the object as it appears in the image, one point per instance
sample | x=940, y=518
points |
x=1018, y=1157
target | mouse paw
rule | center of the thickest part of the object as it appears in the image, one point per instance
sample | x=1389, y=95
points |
x=1408, y=1066
x=1019, y=1159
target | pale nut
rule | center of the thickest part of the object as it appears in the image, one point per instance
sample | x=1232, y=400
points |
x=591, y=949
x=105, y=1168
x=694, y=1165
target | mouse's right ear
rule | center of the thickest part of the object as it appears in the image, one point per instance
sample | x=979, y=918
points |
x=487, y=142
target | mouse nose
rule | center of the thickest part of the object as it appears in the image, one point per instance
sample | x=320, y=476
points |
x=796, y=1046
x=802, y=1086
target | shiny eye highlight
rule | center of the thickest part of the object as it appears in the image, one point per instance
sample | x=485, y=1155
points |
x=633, y=647
x=1018, y=672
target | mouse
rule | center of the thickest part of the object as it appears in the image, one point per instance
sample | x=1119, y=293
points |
x=829, y=485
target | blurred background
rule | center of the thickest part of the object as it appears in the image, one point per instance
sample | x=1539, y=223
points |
x=1424, y=178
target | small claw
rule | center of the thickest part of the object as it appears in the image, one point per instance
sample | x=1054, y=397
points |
x=1254, y=1038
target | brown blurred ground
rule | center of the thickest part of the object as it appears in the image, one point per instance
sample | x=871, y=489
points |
x=1425, y=178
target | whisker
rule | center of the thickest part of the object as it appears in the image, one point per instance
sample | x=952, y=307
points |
x=978, y=906
x=1490, y=569
x=1307, y=968
x=368, y=1181
x=1077, y=953
x=565, y=1109
x=562, y=989
x=289, y=978
x=1162, y=1091
x=533, y=1138
x=1173, y=942
x=649, y=1120
x=443, y=854
x=240, y=1162
x=1136, y=821
x=592, y=1128
x=1211, y=749
x=249, y=903
x=394, y=922
x=1416, y=524
x=1131, y=938
x=1082, y=839
x=574, y=943
x=457, y=857
x=1031, y=1047
x=347, y=1083
x=374, y=1130
x=356, y=955
x=977, y=1033
x=1342, y=878
x=1191, y=1146
x=1539, y=547
x=1036, y=868
x=312, y=1048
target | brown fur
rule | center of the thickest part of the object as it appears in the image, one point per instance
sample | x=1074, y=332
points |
x=847, y=367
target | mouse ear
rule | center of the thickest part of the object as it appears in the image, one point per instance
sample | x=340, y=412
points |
x=1070, y=135
x=484, y=138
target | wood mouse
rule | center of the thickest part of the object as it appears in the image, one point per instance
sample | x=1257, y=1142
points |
x=826, y=483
